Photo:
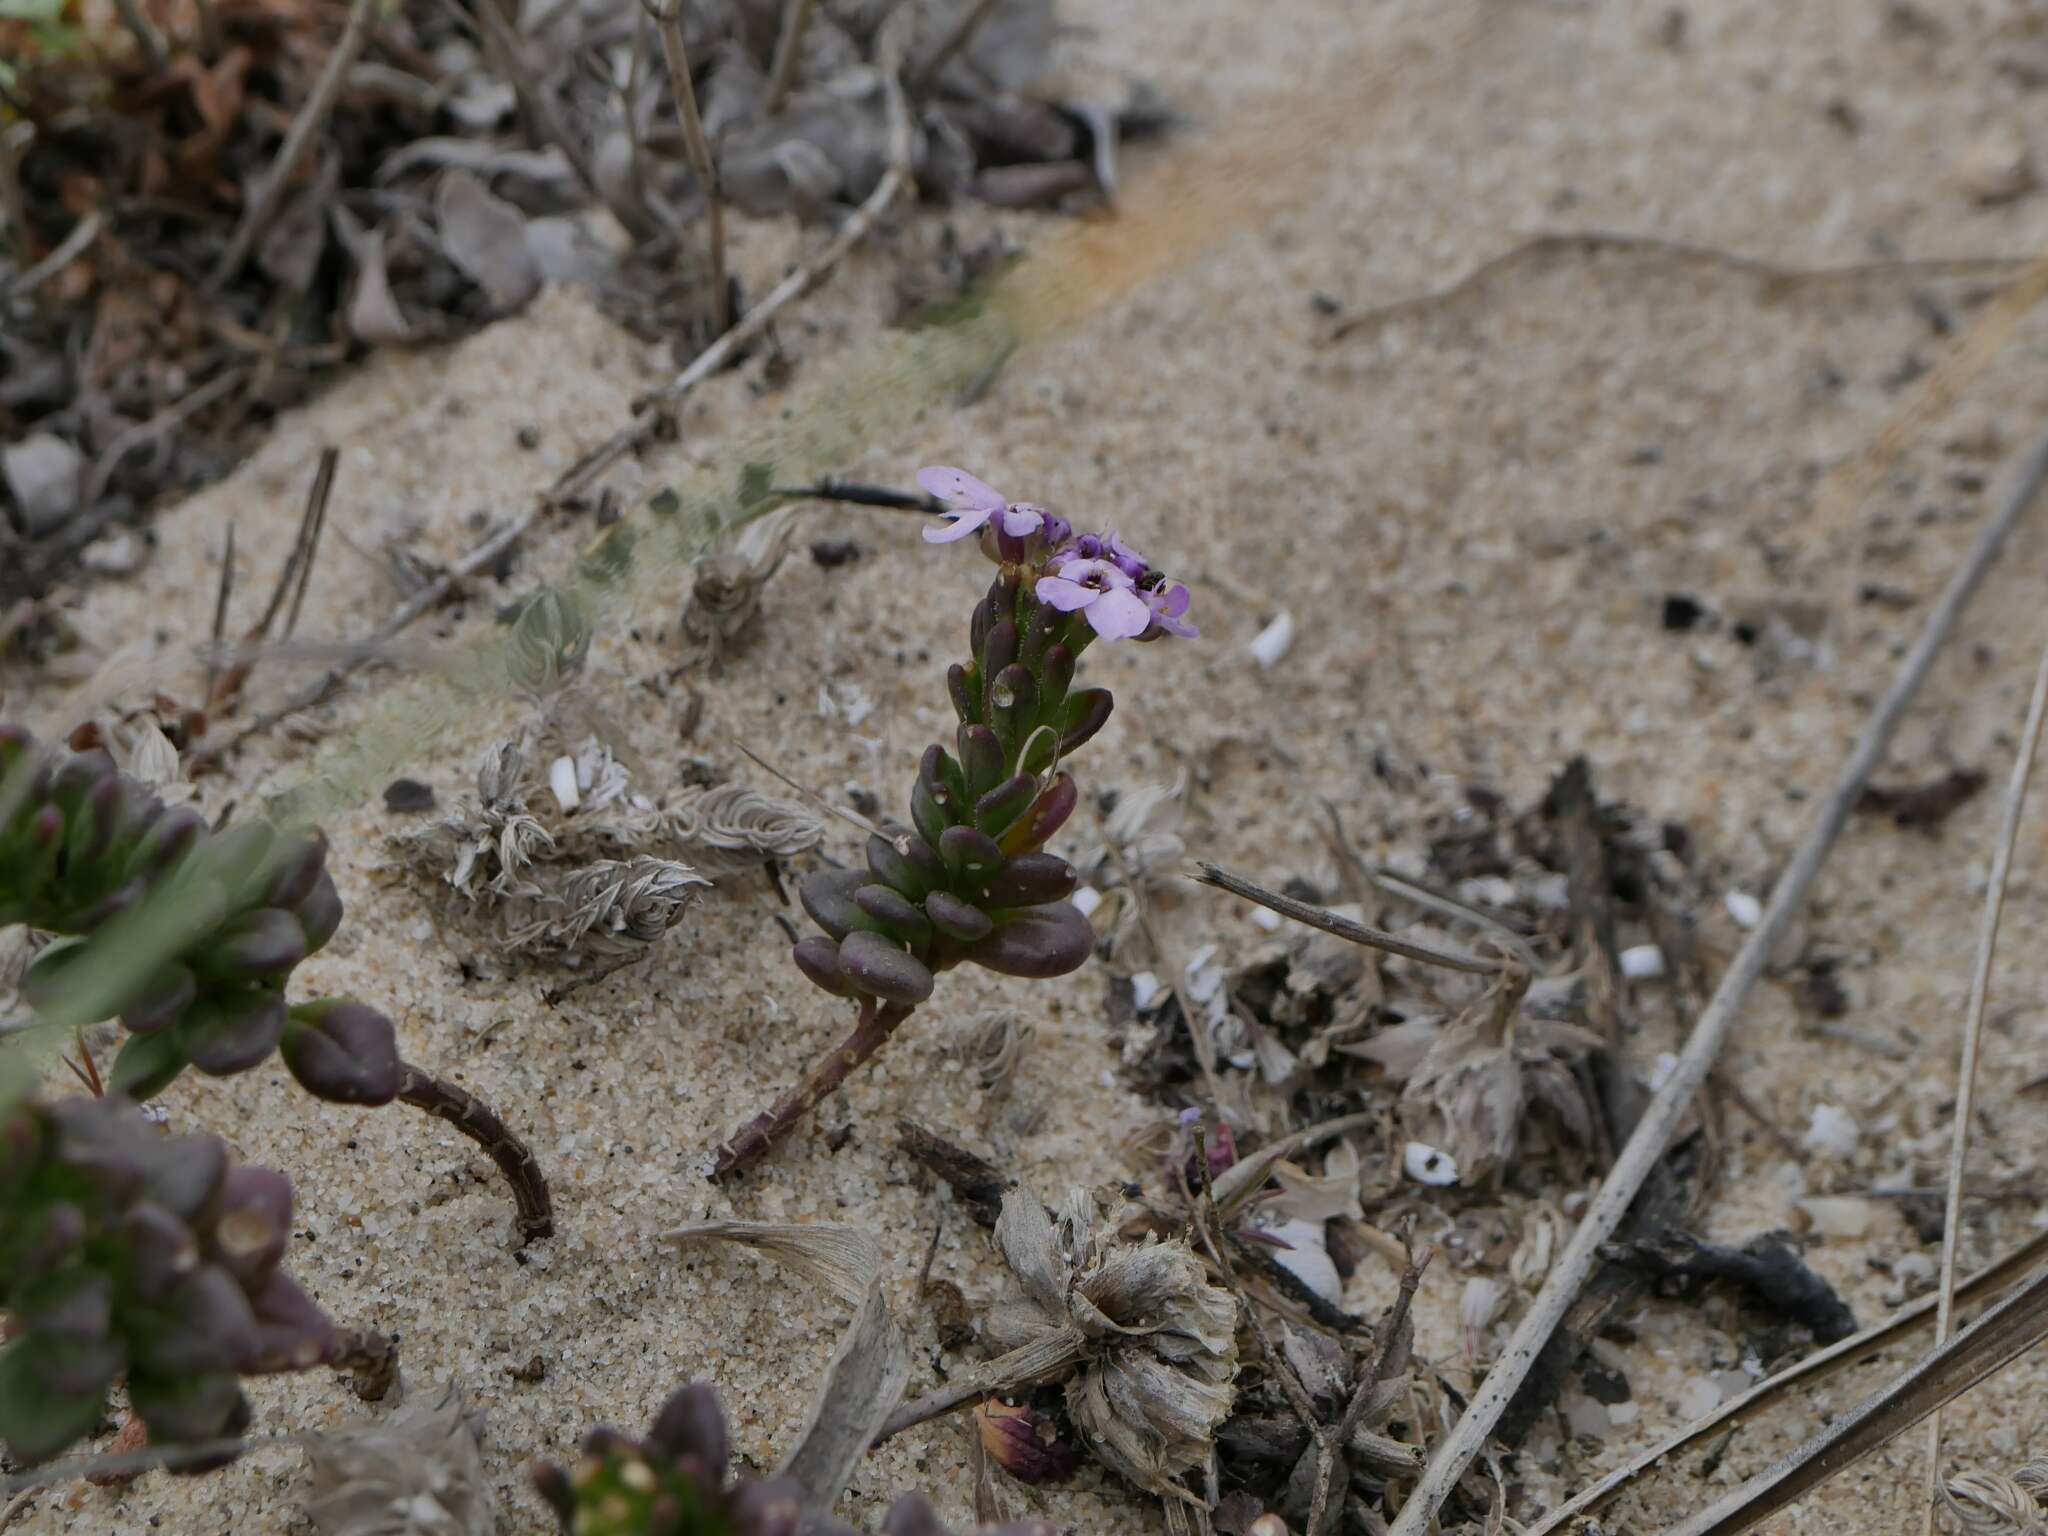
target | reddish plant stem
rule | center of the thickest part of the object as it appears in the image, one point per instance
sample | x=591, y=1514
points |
x=751, y=1141
x=476, y=1120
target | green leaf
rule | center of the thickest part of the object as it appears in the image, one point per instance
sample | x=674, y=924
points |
x=35, y=1422
x=31, y=10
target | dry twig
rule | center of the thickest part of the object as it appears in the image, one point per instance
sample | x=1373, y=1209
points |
x=1661, y=1118
x=362, y=17
x=668, y=25
x=789, y=47
x=1973, y=1036
x=1343, y=927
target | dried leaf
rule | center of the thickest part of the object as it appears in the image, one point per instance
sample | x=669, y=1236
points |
x=418, y=1473
x=870, y=1366
x=485, y=236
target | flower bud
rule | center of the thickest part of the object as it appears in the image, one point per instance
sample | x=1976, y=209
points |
x=1024, y=1442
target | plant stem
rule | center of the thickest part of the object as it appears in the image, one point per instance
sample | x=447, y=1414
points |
x=796, y=16
x=475, y=1119
x=751, y=1141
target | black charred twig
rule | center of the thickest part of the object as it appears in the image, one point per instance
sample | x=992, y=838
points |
x=1769, y=1269
x=862, y=496
x=222, y=593
x=1667, y=1108
x=362, y=18
x=789, y=47
x=751, y=1141
x=668, y=25
x=1344, y=927
x=475, y=1119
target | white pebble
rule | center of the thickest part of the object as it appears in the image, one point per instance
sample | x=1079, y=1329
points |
x=562, y=780
x=1744, y=908
x=1837, y=1215
x=1145, y=989
x=1307, y=1259
x=1086, y=899
x=1426, y=1165
x=1642, y=962
x=1833, y=1132
x=1266, y=918
x=1274, y=641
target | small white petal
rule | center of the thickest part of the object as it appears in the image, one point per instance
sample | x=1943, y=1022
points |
x=562, y=780
x=1833, y=1132
x=1086, y=900
x=1266, y=918
x=1642, y=962
x=1744, y=908
x=1274, y=641
x=1145, y=989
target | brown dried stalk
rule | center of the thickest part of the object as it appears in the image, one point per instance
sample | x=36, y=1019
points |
x=796, y=16
x=476, y=1120
x=668, y=25
x=1343, y=927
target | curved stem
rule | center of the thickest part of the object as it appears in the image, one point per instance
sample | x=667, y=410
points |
x=476, y=1120
x=750, y=1142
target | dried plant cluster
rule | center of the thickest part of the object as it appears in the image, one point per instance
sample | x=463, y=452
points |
x=568, y=860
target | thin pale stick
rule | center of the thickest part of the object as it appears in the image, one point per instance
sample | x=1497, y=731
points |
x=796, y=16
x=1986, y=1347
x=1344, y=927
x=971, y=18
x=323, y=487
x=668, y=26
x=1667, y=1107
x=83, y=233
x=220, y=612
x=362, y=17
x=1973, y=1039
x=1811, y=1371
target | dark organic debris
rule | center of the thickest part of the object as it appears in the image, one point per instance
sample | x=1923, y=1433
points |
x=403, y=795
x=973, y=1179
x=1924, y=807
x=1769, y=1269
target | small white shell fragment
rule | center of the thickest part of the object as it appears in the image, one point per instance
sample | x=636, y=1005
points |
x=1744, y=908
x=562, y=780
x=1837, y=1215
x=1642, y=962
x=1145, y=990
x=1086, y=899
x=1307, y=1259
x=1274, y=641
x=1660, y=1074
x=1833, y=1132
x=1699, y=1397
x=1481, y=1303
x=1426, y=1165
x=1205, y=976
x=1266, y=918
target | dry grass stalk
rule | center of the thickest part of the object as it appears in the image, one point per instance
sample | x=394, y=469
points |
x=1973, y=1037
x=668, y=26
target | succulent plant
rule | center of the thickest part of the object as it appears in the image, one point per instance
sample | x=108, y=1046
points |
x=970, y=880
x=189, y=937
x=676, y=1482
x=126, y=1252
x=89, y=854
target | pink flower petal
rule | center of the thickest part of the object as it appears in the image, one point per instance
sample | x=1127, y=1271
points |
x=1119, y=615
x=1066, y=596
x=960, y=488
x=962, y=525
x=1022, y=519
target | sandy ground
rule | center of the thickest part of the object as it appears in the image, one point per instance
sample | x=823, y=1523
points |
x=1473, y=511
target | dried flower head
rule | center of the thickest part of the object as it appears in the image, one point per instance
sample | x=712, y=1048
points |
x=1024, y=1442
x=418, y=1473
x=725, y=593
x=1152, y=1344
x=124, y=1252
x=731, y=826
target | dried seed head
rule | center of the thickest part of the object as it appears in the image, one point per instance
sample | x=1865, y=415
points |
x=418, y=1473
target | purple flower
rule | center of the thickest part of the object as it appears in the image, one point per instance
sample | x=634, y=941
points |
x=1166, y=603
x=973, y=504
x=1125, y=558
x=1098, y=589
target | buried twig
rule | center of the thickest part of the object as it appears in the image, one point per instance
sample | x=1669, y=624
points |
x=1810, y=1371
x=1595, y=240
x=668, y=26
x=1973, y=1037
x=1344, y=927
x=1668, y=1106
x=475, y=1119
x=789, y=47
x=312, y=117
x=1983, y=1349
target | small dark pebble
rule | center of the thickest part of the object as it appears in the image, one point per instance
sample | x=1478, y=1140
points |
x=833, y=553
x=837, y=1138
x=1746, y=632
x=535, y=1369
x=1682, y=612
x=408, y=795
x=1603, y=1384
x=863, y=800
x=1324, y=304
x=529, y=438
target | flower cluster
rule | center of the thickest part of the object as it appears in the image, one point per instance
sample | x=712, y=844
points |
x=676, y=1483
x=127, y=1252
x=89, y=854
x=968, y=881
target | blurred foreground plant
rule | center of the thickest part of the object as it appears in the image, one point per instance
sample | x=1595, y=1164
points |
x=189, y=938
x=970, y=880
x=128, y=1253
x=675, y=1482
